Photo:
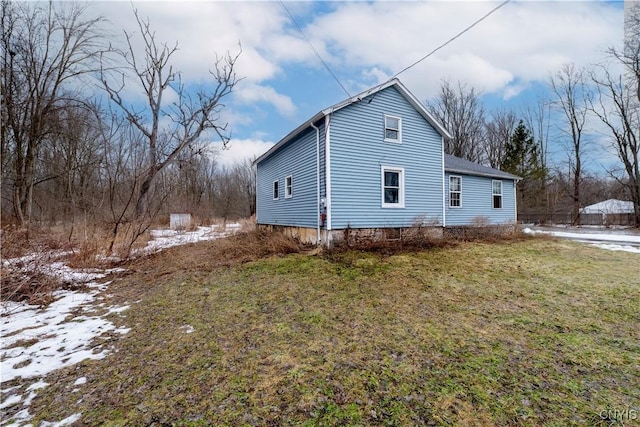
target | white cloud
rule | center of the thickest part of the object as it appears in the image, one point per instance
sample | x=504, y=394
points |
x=251, y=93
x=365, y=43
x=239, y=150
x=522, y=40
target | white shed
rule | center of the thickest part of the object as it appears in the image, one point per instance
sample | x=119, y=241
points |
x=609, y=207
x=180, y=221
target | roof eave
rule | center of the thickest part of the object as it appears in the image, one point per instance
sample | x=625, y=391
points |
x=489, y=175
x=291, y=135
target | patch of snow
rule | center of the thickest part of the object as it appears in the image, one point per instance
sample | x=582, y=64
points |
x=610, y=240
x=37, y=341
x=613, y=247
x=10, y=401
x=66, y=422
x=163, y=239
x=187, y=328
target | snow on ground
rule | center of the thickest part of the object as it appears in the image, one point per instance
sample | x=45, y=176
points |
x=610, y=239
x=163, y=239
x=39, y=340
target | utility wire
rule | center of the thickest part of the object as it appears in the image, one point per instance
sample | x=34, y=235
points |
x=312, y=47
x=452, y=38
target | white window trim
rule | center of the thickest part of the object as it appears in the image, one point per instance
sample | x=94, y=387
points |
x=399, y=205
x=288, y=189
x=399, y=140
x=459, y=192
x=273, y=187
x=496, y=194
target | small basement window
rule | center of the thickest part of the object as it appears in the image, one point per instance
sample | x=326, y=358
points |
x=392, y=129
x=275, y=190
x=392, y=187
x=497, y=194
x=288, y=187
x=455, y=191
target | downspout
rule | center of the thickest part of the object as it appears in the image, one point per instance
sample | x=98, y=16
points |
x=319, y=209
x=327, y=176
x=444, y=196
x=515, y=201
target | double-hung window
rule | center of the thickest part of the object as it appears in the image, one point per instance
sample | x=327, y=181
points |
x=288, y=187
x=392, y=129
x=275, y=190
x=392, y=187
x=496, y=187
x=455, y=191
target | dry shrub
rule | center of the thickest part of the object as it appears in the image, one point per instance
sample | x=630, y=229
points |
x=33, y=287
x=84, y=255
x=14, y=242
x=253, y=245
x=248, y=224
x=486, y=233
x=424, y=235
x=391, y=240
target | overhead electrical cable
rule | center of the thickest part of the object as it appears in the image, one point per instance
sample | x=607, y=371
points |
x=452, y=38
x=313, y=48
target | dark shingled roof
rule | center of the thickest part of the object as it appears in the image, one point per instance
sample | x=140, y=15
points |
x=456, y=164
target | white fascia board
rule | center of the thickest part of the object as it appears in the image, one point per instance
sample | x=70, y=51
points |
x=487, y=175
x=291, y=135
x=422, y=110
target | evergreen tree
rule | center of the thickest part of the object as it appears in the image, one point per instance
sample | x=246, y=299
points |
x=522, y=158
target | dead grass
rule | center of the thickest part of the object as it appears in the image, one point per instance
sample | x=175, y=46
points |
x=528, y=332
x=33, y=287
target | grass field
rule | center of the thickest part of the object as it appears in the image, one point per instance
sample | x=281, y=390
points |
x=529, y=332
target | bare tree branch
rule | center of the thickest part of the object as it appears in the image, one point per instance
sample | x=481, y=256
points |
x=191, y=116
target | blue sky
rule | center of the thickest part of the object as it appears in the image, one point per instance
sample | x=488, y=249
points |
x=509, y=57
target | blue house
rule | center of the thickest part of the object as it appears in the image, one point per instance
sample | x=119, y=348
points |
x=371, y=164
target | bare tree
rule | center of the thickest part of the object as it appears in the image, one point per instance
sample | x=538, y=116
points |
x=246, y=172
x=569, y=86
x=497, y=135
x=188, y=118
x=619, y=112
x=460, y=110
x=537, y=119
x=617, y=104
x=45, y=49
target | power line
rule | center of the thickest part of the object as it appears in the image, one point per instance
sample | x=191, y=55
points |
x=312, y=47
x=452, y=38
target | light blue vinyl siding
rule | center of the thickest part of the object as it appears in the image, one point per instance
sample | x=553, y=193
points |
x=477, y=201
x=298, y=159
x=358, y=153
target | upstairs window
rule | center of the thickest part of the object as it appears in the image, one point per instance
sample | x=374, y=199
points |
x=275, y=190
x=392, y=187
x=392, y=129
x=455, y=191
x=288, y=187
x=497, y=194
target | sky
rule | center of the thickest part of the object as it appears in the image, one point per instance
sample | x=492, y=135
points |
x=508, y=57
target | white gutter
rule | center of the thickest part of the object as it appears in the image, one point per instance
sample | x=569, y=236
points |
x=318, y=208
x=327, y=176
